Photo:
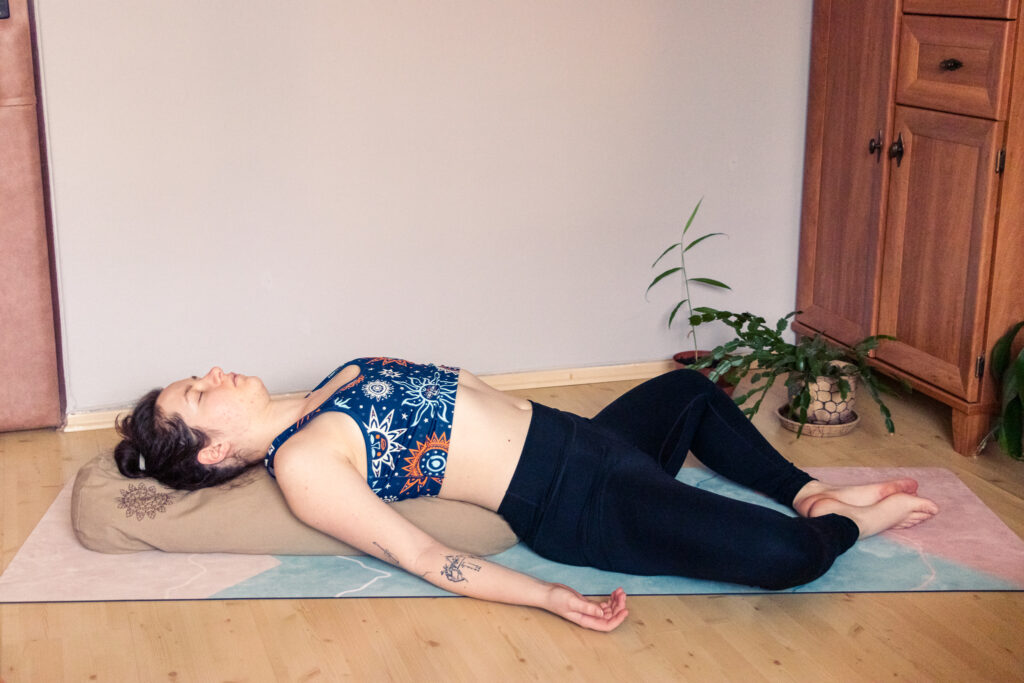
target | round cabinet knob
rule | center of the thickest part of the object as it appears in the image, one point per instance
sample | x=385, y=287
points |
x=896, y=150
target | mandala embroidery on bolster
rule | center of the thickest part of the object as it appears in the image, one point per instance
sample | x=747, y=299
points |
x=143, y=501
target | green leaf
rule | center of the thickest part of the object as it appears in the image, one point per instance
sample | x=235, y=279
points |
x=661, y=277
x=1018, y=372
x=709, y=281
x=1000, y=358
x=697, y=241
x=674, y=311
x=1010, y=435
x=887, y=416
x=1011, y=389
x=692, y=215
x=674, y=246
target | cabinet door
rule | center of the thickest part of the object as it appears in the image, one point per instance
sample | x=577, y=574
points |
x=849, y=105
x=938, y=247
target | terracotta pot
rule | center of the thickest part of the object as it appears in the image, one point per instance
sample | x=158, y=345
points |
x=685, y=359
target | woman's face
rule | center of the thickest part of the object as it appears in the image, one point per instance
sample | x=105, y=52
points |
x=219, y=403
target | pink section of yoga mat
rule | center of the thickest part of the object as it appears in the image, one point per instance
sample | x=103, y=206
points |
x=967, y=529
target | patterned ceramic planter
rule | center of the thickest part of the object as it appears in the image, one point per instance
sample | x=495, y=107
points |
x=827, y=407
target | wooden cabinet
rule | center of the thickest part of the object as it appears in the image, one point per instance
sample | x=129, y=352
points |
x=913, y=215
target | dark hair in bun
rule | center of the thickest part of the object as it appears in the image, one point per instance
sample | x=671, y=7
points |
x=166, y=449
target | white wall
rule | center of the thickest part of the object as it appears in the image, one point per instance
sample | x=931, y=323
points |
x=279, y=186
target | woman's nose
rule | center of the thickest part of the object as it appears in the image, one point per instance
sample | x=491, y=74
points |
x=215, y=374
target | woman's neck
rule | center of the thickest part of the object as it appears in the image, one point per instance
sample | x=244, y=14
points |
x=282, y=413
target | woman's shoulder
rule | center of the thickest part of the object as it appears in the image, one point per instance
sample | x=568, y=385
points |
x=329, y=437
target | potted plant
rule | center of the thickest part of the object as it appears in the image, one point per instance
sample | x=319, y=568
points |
x=811, y=368
x=1009, y=375
x=682, y=247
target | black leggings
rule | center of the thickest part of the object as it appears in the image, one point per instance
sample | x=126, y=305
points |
x=602, y=492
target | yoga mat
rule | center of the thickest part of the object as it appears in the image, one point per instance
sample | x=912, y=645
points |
x=965, y=548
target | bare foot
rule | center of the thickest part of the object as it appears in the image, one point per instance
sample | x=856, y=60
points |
x=896, y=511
x=861, y=495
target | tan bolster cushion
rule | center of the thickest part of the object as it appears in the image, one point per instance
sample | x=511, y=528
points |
x=113, y=514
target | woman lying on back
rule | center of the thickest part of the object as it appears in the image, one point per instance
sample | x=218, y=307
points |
x=597, y=492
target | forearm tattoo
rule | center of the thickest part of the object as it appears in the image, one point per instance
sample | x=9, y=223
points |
x=455, y=567
x=387, y=555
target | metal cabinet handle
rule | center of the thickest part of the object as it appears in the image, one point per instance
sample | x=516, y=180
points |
x=875, y=147
x=950, y=64
x=896, y=150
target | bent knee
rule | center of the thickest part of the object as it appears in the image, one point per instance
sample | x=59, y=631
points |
x=690, y=381
x=793, y=559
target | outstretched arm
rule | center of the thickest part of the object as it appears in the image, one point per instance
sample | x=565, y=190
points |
x=326, y=492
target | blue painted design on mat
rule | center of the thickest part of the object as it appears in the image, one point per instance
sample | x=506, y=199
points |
x=327, y=576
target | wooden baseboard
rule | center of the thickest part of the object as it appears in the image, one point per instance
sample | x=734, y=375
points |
x=96, y=419
x=535, y=379
x=570, y=376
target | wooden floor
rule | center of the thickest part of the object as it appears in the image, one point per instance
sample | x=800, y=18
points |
x=845, y=637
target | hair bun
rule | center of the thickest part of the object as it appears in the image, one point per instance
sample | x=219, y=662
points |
x=130, y=462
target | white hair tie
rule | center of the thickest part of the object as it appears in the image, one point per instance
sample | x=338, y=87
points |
x=142, y=463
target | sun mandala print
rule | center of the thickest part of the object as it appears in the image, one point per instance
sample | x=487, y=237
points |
x=426, y=463
x=429, y=394
x=378, y=389
x=383, y=441
x=141, y=501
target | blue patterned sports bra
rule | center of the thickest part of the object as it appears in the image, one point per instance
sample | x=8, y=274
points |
x=405, y=411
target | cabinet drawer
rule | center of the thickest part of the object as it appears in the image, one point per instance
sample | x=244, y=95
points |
x=997, y=9
x=956, y=65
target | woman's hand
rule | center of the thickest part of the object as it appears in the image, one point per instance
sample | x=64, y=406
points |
x=599, y=616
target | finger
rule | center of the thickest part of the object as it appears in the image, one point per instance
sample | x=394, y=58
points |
x=616, y=598
x=603, y=624
x=585, y=606
x=619, y=604
x=615, y=595
x=609, y=618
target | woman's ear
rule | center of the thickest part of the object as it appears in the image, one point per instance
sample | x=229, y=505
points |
x=213, y=454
